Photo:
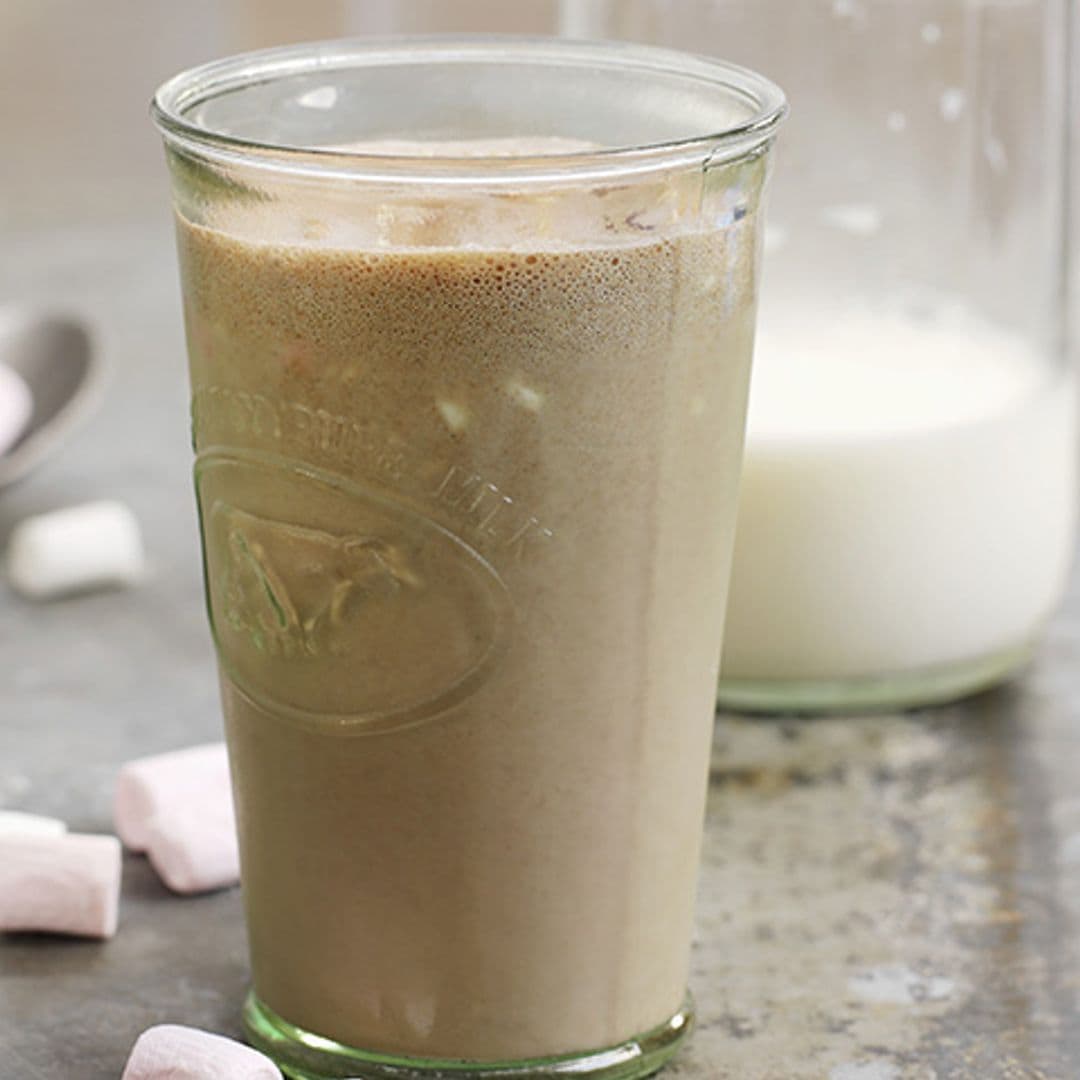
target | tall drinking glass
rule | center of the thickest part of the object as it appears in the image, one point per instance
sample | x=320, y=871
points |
x=469, y=325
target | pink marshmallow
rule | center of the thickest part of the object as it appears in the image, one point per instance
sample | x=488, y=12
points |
x=160, y=786
x=172, y=1052
x=194, y=849
x=60, y=884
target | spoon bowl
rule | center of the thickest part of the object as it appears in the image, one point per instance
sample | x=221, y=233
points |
x=54, y=356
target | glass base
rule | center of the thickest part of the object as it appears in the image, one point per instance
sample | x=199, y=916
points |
x=913, y=689
x=302, y=1055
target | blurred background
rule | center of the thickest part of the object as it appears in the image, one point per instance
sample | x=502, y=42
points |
x=77, y=78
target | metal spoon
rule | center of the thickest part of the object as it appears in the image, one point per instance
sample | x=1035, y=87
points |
x=53, y=354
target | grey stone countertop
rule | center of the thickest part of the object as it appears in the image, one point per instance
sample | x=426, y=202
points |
x=883, y=898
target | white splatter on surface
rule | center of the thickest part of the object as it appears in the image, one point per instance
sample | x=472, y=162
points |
x=897, y=984
x=896, y=120
x=930, y=33
x=866, y=1070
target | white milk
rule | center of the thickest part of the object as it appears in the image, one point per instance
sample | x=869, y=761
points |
x=908, y=498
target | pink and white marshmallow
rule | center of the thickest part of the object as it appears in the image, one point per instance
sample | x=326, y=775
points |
x=61, y=884
x=160, y=785
x=194, y=849
x=177, y=807
x=170, y=1051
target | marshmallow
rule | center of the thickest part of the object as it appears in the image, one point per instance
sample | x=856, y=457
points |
x=60, y=884
x=17, y=823
x=16, y=407
x=75, y=549
x=170, y=1051
x=178, y=808
x=194, y=849
x=164, y=783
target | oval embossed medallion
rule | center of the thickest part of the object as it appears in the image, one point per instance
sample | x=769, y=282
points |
x=335, y=604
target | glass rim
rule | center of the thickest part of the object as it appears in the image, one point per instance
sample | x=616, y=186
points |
x=174, y=99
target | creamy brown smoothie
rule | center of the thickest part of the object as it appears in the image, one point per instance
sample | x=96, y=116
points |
x=463, y=487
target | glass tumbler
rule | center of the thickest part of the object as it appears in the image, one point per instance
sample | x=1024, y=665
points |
x=907, y=515
x=469, y=326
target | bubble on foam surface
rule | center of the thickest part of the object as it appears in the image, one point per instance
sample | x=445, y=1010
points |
x=897, y=984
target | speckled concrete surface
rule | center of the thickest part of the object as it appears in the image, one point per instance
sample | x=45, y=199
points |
x=893, y=898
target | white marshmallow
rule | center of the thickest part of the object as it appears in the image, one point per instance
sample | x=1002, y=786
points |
x=60, y=884
x=17, y=823
x=168, y=783
x=194, y=849
x=172, y=1052
x=178, y=808
x=16, y=407
x=81, y=547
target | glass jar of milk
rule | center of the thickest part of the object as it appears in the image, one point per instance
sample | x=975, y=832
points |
x=910, y=487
